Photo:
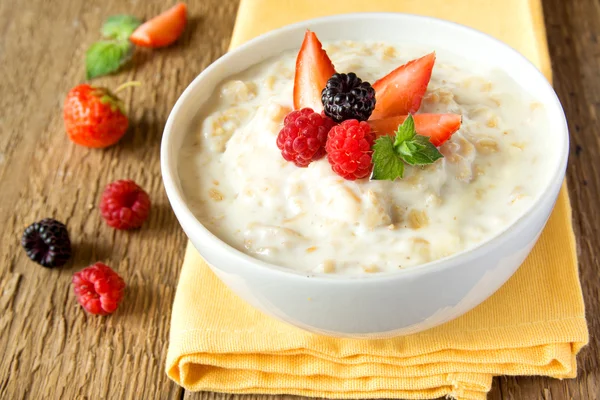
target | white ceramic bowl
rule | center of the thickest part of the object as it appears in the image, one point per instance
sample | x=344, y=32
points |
x=385, y=304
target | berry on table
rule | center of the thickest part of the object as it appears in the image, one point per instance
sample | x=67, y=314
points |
x=98, y=289
x=162, y=30
x=94, y=117
x=47, y=243
x=349, y=149
x=124, y=205
x=346, y=96
x=303, y=136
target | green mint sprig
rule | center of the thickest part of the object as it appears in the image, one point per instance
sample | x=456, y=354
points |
x=108, y=55
x=120, y=27
x=389, y=156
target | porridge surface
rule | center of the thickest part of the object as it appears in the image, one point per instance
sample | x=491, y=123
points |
x=312, y=220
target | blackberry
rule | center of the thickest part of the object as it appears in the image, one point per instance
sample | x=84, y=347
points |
x=47, y=243
x=346, y=96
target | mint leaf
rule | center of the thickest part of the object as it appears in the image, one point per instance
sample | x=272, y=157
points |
x=408, y=147
x=386, y=163
x=406, y=131
x=106, y=56
x=419, y=151
x=120, y=27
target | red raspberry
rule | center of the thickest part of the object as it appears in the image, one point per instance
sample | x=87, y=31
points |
x=98, y=288
x=303, y=136
x=124, y=205
x=349, y=149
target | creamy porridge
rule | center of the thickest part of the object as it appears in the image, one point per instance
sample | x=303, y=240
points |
x=311, y=220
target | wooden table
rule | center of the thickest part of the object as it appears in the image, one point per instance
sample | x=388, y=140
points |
x=49, y=347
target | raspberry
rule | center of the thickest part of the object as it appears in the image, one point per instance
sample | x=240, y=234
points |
x=124, y=205
x=346, y=96
x=303, y=136
x=349, y=149
x=98, y=288
x=47, y=243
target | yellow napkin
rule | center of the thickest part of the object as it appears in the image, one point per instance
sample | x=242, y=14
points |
x=534, y=325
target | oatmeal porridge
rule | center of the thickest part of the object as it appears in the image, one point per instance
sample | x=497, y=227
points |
x=312, y=220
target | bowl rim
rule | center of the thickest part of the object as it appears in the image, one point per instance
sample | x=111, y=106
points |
x=182, y=211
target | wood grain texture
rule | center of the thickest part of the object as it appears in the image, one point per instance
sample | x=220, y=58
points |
x=49, y=347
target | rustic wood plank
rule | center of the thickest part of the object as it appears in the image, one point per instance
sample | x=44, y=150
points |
x=50, y=348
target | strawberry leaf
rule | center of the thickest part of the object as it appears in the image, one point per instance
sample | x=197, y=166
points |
x=387, y=165
x=120, y=27
x=106, y=56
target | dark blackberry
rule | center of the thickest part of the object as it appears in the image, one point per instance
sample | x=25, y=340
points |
x=346, y=96
x=47, y=243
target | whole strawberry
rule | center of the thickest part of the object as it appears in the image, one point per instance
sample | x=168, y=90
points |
x=94, y=117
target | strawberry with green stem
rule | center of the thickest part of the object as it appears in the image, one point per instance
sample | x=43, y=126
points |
x=94, y=116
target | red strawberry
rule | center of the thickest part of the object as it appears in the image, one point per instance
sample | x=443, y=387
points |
x=438, y=127
x=401, y=91
x=163, y=29
x=313, y=69
x=94, y=117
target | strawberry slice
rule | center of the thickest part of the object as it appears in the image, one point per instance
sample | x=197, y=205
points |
x=438, y=127
x=401, y=91
x=313, y=70
x=162, y=30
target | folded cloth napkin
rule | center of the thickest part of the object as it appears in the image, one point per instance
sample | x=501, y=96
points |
x=534, y=325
